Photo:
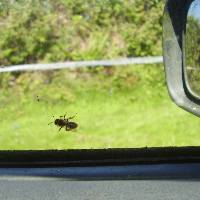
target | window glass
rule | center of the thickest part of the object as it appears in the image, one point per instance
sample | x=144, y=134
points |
x=116, y=106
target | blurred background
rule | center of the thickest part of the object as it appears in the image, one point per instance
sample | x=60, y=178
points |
x=116, y=106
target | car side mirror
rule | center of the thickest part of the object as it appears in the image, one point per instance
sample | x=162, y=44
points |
x=181, y=48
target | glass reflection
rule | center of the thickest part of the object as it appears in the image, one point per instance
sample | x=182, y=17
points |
x=193, y=48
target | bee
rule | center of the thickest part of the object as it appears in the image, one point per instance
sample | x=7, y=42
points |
x=64, y=122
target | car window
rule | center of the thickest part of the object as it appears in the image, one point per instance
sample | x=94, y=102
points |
x=100, y=105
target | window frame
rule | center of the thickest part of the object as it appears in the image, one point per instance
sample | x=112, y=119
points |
x=99, y=157
x=165, y=163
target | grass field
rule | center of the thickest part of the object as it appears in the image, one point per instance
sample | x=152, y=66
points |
x=129, y=109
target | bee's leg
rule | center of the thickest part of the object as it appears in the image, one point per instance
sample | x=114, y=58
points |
x=63, y=116
x=51, y=122
x=72, y=116
x=60, y=128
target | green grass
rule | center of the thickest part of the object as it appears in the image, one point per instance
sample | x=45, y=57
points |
x=131, y=110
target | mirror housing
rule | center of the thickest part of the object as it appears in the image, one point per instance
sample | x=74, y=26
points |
x=174, y=29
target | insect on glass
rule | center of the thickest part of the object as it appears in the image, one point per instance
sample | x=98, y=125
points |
x=64, y=122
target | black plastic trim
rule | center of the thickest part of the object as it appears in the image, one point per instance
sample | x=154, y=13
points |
x=99, y=157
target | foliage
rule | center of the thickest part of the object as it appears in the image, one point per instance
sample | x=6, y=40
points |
x=193, y=53
x=47, y=30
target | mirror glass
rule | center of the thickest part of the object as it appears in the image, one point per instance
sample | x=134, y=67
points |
x=192, y=50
